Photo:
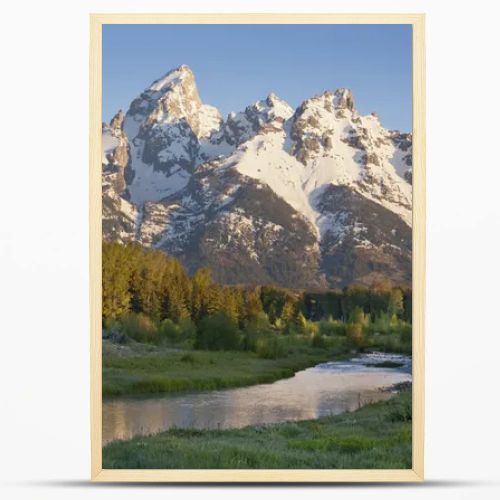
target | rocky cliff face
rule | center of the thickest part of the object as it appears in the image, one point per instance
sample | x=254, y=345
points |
x=313, y=197
x=119, y=215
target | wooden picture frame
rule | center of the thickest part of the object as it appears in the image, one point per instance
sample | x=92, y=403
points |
x=416, y=473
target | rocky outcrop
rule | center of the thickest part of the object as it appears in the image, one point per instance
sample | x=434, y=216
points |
x=119, y=215
x=363, y=242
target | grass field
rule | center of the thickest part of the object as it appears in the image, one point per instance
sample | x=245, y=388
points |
x=379, y=434
x=136, y=368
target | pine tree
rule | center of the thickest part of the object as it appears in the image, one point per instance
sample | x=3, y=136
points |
x=395, y=306
x=201, y=282
x=253, y=305
x=118, y=266
x=289, y=310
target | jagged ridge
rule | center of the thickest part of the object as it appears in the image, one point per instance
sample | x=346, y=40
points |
x=175, y=173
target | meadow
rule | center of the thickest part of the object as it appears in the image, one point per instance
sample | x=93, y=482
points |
x=133, y=368
x=379, y=433
x=139, y=368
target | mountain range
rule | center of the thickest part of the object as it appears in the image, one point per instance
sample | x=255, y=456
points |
x=314, y=197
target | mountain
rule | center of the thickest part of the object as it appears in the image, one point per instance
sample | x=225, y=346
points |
x=313, y=197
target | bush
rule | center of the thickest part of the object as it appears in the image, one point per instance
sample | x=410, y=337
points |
x=187, y=329
x=217, y=332
x=111, y=324
x=400, y=327
x=319, y=342
x=269, y=348
x=311, y=328
x=381, y=325
x=112, y=330
x=391, y=343
x=139, y=327
x=184, y=330
x=406, y=332
x=355, y=332
x=331, y=327
x=401, y=409
x=358, y=316
x=169, y=330
x=254, y=330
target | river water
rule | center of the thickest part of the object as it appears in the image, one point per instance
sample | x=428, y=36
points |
x=326, y=389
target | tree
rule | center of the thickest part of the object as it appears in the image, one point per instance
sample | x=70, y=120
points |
x=217, y=332
x=176, y=307
x=355, y=296
x=273, y=300
x=358, y=316
x=214, y=299
x=201, y=282
x=408, y=305
x=118, y=266
x=395, y=305
x=149, y=283
x=253, y=304
x=289, y=310
x=232, y=303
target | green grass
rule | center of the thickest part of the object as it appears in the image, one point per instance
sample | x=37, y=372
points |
x=391, y=342
x=141, y=368
x=375, y=436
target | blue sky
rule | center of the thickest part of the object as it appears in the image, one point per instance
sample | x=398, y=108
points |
x=236, y=65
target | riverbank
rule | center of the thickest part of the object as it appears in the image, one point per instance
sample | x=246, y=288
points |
x=378, y=435
x=135, y=368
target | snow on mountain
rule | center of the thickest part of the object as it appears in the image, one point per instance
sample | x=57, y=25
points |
x=340, y=147
x=325, y=142
x=119, y=218
x=264, y=158
x=165, y=125
x=183, y=170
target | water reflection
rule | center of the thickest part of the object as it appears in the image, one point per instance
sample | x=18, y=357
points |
x=327, y=389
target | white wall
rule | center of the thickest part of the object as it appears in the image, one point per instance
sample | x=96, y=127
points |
x=44, y=450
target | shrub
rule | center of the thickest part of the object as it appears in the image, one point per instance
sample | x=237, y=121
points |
x=187, y=329
x=381, y=325
x=406, y=332
x=391, y=343
x=111, y=324
x=401, y=409
x=258, y=327
x=169, y=330
x=269, y=348
x=400, y=327
x=319, y=341
x=139, y=327
x=217, y=332
x=112, y=330
x=355, y=332
x=311, y=329
x=331, y=327
x=358, y=316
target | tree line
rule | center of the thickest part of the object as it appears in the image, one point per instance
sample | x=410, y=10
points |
x=138, y=280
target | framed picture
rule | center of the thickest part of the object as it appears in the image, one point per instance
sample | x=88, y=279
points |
x=257, y=247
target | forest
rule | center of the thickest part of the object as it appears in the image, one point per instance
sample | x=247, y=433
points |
x=149, y=297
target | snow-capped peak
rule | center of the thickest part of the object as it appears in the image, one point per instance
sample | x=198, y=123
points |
x=175, y=174
x=116, y=122
x=325, y=141
x=277, y=107
x=343, y=99
x=165, y=126
x=173, y=77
